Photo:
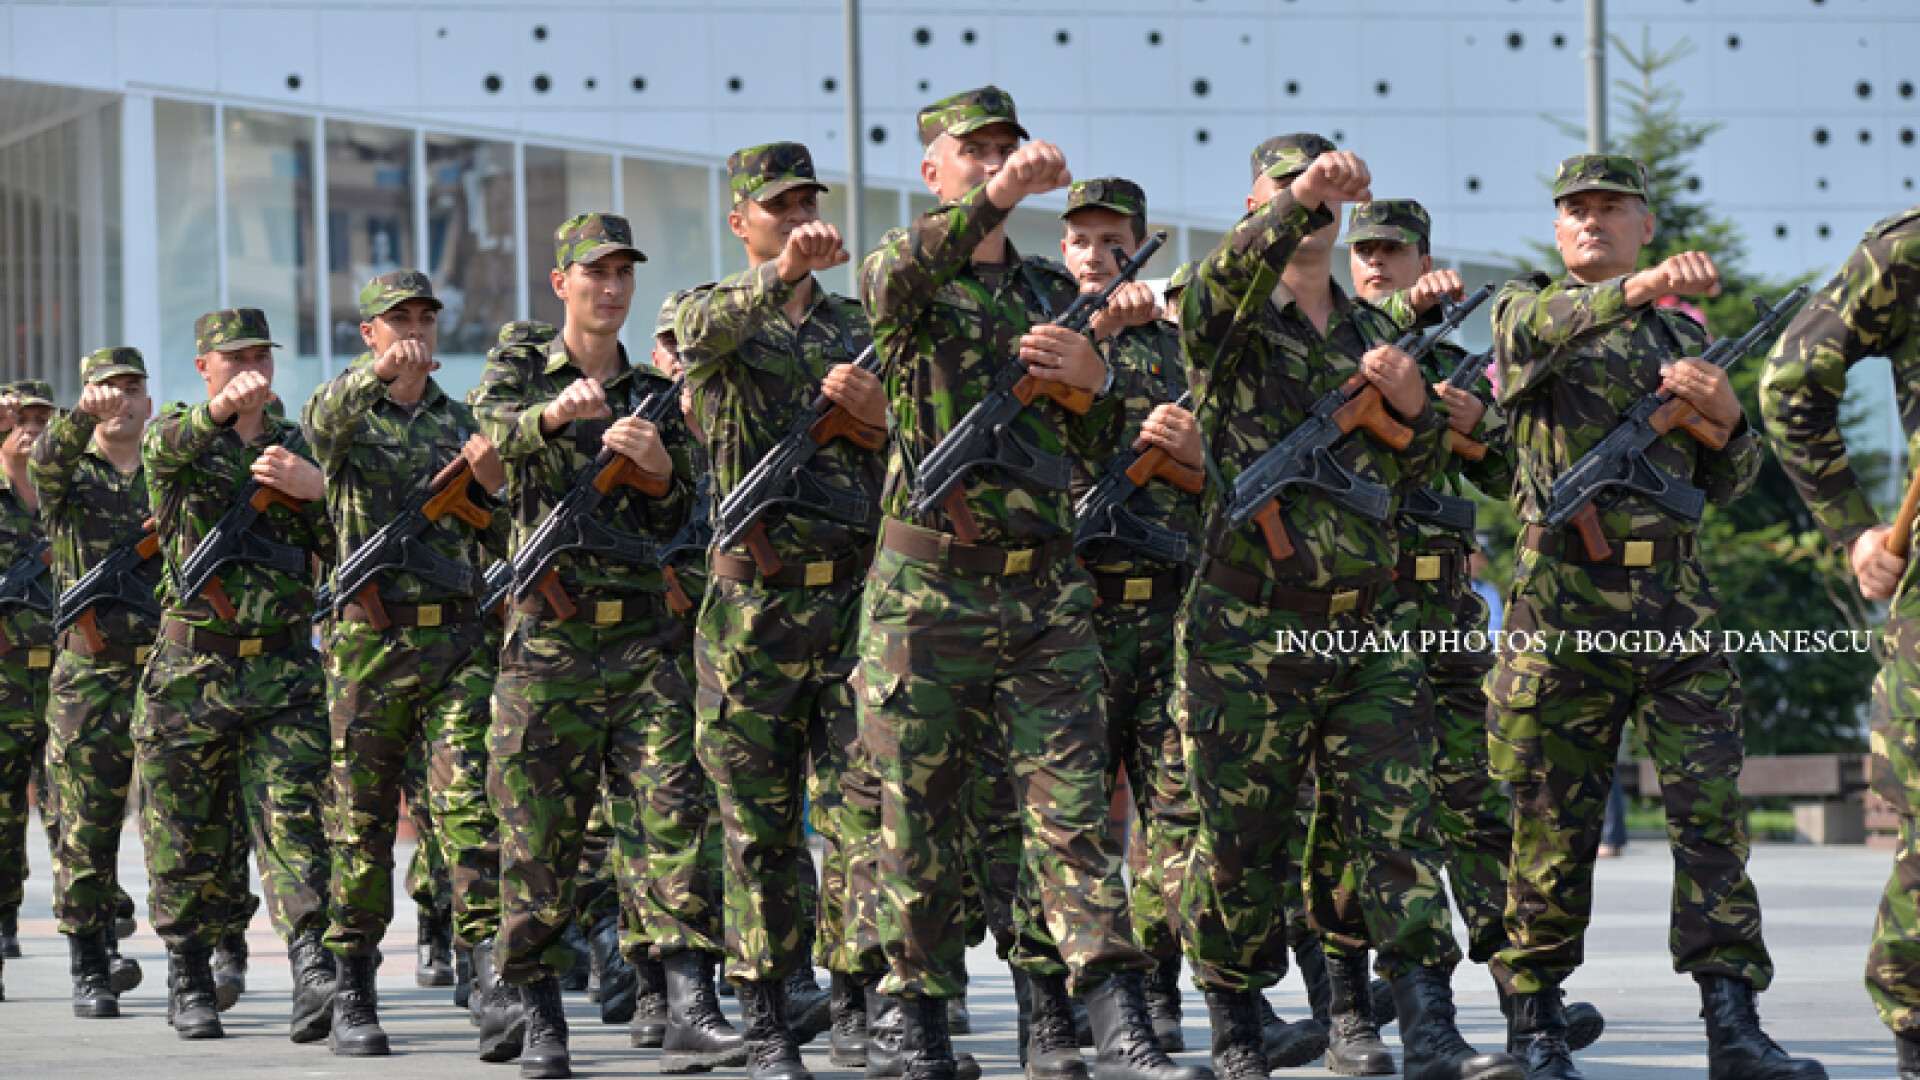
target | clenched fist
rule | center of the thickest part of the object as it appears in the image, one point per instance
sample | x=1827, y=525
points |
x=246, y=392
x=1337, y=176
x=810, y=248
x=1034, y=169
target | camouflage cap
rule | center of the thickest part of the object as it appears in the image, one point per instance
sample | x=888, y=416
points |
x=1182, y=277
x=383, y=293
x=967, y=112
x=762, y=172
x=1106, y=193
x=103, y=364
x=31, y=392
x=1401, y=220
x=230, y=329
x=585, y=238
x=1284, y=155
x=1599, y=172
x=663, y=325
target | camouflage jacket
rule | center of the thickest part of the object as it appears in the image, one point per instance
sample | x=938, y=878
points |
x=376, y=454
x=1258, y=365
x=1571, y=358
x=1869, y=308
x=752, y=372
x=90, y=508
x=19, y=528
x=945, y=327
x=526, y=371
x=194, y=468
x=1148, y=371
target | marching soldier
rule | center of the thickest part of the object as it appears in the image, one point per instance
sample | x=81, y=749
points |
x=1866, y=310
x=1267, y=333
x=406, y=655
x=1573, y=353
x=231, y=703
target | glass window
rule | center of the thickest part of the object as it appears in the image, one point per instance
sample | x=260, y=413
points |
x=560, y=184
x=667, y=205
x=470, y=250
x=189, y=235
x=270, y=248
x=369, y=221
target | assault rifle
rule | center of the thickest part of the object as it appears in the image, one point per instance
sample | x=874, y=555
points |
x=1431, y=507
x=113, y=580
x=1305, y=459
x=982, y=437
x=397, y=546
x=695, y=536
x=1102, y=512
x=570, y=526
x=1620, y=459
x=232, y=540
x=493, y=587
x=20, y=586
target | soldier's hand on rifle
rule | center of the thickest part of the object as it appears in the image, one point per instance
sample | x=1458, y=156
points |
x=487, y=470
x=1431, y=288
x=1690, y=273
x=1337, y=176
x=9, y=412
x=1876, y=569
x=1705, y=387
x=583, y=399
x=1132, y=304
x=640, y=441
x=101, y=401
x=283, y=470
x=1033, y=169
x=857, y=390
x=811, y=248
x=406, y=359
x=1057, y=353
x=1463, y=409
x=246, y=392
x=1398, y=378
x=1173, y=429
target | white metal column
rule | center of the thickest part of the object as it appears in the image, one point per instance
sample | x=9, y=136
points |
x=140, y=236
x=322, y=253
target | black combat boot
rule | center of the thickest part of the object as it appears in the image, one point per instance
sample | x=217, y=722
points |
x=124, y=971
x=124, y=924
x=313, y=981
x=1289, y=1044
x=847, y=1038
x=10, y=934
x=1736, y=1047
x=1537, y=1035
x=808, y=1010
x=1125, y=1048
x=1584, y=1022
x=575, y=979
x=545, y=1056
x=93, y=994
x=434, y=939
x=1163, y=1005
x=649, y=1028
x=886, y=1035
x=1353, y=1042
x=959, y=1017
x=1906, y=1044
x=356, y=1021
x=502, y=1015
x=772, y=1053
x=1431, y=1042
x=619, y=986
x=462, y=977
x=698, y=1038
x=1053, y=1046
x=926, y=1046
x=1239, y=1052
x=1384, y=1011
x=230, y=969
x=1311, y=959
x=190, y=1005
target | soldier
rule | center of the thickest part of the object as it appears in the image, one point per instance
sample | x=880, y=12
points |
x=406, y=656
x=1253, y=709
x=589, y=675
x=230, y=704
x=774, y=646
x=1866, y=310
x=1574, y=353
x=968, y=643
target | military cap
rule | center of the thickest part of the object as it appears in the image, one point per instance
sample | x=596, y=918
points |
x=1599, y=172
x=761, y=172
x=103, y=364
x=387, y=291
x=663, y=325
x=1182, y=277
x=967, y=112
x=1402, y=220
x=1106, y=193
x=585, y=238
x=32, y=392
x=1284, y=155
x=230, y=329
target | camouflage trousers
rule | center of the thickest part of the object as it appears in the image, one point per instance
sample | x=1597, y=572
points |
x=1893, y=959
x=388, y=690
x=1252, y=717
x=426, y=883
x=90, y=763
x=1557, y=718
x=951, y=664
x=858, y=844
x=574, y=701
x=211, y=733
x=23, y=751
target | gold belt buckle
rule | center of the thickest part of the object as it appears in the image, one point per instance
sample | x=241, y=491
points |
x=141, y=652
x=607, y=612
x=1426, y=568
x=250, y=646
x=1019, y=562
x=427, y=615
x=1139, y=588
x=1638, y=553
x=819, y=573
x=1343, y=601
x=39, y=658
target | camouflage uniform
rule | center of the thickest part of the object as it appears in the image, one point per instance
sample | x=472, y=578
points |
x=774, y=652
x=426, y=677
x=24, y=668
x=1865, y=310
x=602, y=690
x=236, y=711
x=1573, y=356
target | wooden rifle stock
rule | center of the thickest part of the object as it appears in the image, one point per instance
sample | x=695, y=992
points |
x=1274, y=531
x=1900, y=538
x=676, y=596
x=1465, y=446
x=556, y=597
x=1155, y=461
x=1586, y=522
x=964, y=525
x=1680, y=413
x=1072, y=398
x=451, y=496
x=837, y=422
x=622, y=471
x=1367, y=408
x=761, y=548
